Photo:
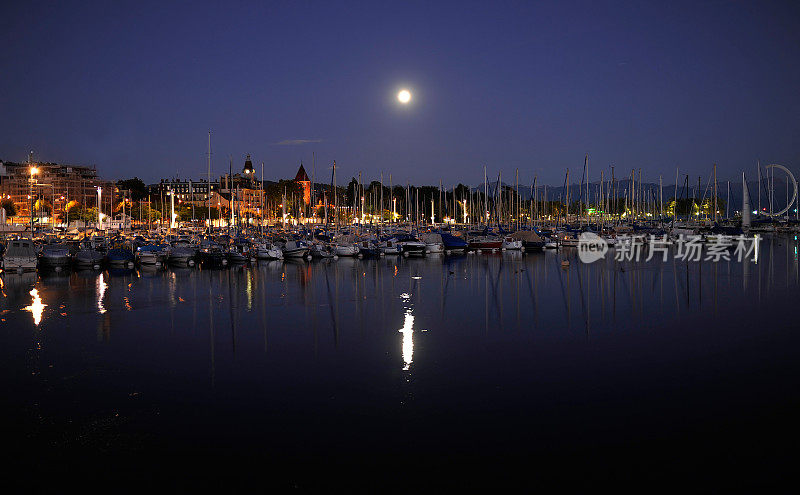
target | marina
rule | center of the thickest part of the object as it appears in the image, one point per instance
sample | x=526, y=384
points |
x=415, y=247
x=335, y=335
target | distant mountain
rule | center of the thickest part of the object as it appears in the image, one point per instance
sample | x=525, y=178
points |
x=651, y=190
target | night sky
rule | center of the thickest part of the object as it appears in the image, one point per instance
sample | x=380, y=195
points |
x=135, y=88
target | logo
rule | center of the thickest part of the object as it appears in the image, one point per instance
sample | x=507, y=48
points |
x=591, y=247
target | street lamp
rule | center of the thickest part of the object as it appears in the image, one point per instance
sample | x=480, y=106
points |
x=34, y=171
x=99, y=204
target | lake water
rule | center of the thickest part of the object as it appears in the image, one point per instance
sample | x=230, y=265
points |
x=408, y=373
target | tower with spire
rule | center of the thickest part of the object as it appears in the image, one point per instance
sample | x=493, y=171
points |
x=247, y=171
x=302, y=179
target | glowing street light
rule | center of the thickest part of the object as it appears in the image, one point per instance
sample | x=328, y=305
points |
x=34, y=171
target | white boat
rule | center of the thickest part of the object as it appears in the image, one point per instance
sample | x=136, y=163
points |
x=268, y=251
x=390, y=247
x=433, y=243
x=345, y=249
x=410, y=245
x=295, y=249
x=20, y=255
x=345, y=245
x=510, y=243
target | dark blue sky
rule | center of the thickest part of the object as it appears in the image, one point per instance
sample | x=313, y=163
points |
x=135, y=88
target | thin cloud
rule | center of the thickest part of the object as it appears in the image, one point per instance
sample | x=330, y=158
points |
x=296, y=142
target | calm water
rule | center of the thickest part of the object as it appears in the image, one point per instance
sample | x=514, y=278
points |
x=398, y=370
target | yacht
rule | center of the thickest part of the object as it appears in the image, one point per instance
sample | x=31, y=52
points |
x=295, y=249
x=433, y=243
x=182, y=252
x=410, y=245
x=20, y=255
x=345, y=245
x=54, y=255
x=88, y=255
x=510, y=243
x=212, y=254
x=453, y=244
x=268, y=251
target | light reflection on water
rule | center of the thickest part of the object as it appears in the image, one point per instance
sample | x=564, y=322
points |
x=36, y=307
x=101, y=292
x=407, y=330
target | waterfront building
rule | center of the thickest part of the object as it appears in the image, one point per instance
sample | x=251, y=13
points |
x=187, y=191
x=253, y=199
x=51, y=187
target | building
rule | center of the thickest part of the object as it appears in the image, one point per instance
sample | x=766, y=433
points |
x=51, y=186
x=302, y=179
x=241, y=191
x=187, y=191
x=245, y=189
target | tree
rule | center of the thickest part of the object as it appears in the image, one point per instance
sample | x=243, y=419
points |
x=352, y=191
x=10, y=207
x=80, y=212
x=142, y=211
x=202, y=212
x=135, y=186
x=43, y=206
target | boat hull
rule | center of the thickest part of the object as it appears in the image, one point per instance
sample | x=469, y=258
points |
x=20, y=263
x=484, y=245
x=295, y=253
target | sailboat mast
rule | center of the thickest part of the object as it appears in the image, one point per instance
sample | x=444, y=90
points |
x=440, y=200
x=566, y=182
x=313, y=177
x=263, y=209
x=208, y=196
x=758, y=164
x=485, y=197
x=715, y=193
x=516, y=199
x=586, y=166
x=675, y=211
x=728, y=202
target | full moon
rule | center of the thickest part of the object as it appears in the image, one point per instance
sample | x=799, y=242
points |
x=404, y=96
